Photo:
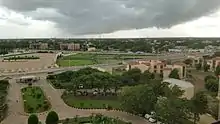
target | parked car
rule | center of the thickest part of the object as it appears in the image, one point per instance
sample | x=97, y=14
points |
x=152, y=120
x=147, y=116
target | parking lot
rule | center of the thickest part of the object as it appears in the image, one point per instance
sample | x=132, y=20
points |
x=47, y=60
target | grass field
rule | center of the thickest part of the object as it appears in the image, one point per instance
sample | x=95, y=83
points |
x=88, y=102
x=34, y=100
x=81, y=59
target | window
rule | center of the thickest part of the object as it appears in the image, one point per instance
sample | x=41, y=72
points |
x=184, y=69
x=161, y=71
x=155, y=66
x=161, y=66
x=155, y=71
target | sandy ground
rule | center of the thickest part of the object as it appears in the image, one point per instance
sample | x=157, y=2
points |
x=46, y=59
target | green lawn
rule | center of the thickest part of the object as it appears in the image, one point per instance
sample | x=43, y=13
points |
x=34, y=100
x=86, y=103
x=81, y=59
x=66, y=63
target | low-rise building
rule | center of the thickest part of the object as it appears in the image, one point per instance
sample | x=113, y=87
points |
x=213, y=63
x=187, y=87
x=90, y=49
x=70, y=46
x=158, y=66
x=39, y=46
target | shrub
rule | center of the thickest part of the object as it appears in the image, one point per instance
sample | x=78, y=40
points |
x=39, y=96
x=33, y=119
x=30, y=109
x=46, y=107
x=52, y=118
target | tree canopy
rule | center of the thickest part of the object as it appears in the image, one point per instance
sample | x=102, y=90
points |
x=174, y=74
x=33, y=119
x=52, y=118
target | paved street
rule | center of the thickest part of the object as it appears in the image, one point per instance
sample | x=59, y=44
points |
x=16, y=111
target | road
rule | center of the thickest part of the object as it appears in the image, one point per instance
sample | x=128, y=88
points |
x=17, y=114
x=173, y=57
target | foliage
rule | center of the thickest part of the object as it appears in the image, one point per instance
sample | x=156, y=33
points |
x=4, y=84
x=174, y=74
x=132, y=76
x=21, y=57
x=206, y=67
x=141, y=99
x=217, y=71
x=52, y=118
x=34, y=100
x=172, y=111
x=199, y=105
x=212, y=85
x=210, y=77
x=188, y=61
x=93, y=119
x=33, y=119
x=198, y=66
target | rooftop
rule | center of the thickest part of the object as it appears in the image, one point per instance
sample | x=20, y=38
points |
x=179, y=83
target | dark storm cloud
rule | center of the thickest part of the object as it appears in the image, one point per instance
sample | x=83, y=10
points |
x=104, y=16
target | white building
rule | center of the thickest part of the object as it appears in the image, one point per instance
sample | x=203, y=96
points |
x=175, y=50
x=183, y=85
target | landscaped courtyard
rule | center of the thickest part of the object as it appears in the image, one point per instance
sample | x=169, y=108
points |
x=34, y=100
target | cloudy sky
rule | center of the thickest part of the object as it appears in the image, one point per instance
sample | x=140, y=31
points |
x=109, y=18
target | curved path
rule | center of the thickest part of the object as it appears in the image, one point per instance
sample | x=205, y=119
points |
x=17, y=114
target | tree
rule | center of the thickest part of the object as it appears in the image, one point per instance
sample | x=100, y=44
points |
x=33, y=119
x=206, y=67
x=172, y=110
x=147, y=76
x=52, y=118
x=132, y=76
x=174, y=74
x=209, y=77
x=138, y=99
x=212, y=85
x=217, y=71
x=188, y=61
x=199, y=105
x=198, y=66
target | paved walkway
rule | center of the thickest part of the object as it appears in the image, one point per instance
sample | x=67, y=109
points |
x=18, y=116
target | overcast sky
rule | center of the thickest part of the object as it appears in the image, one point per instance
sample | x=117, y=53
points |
x=109, y=18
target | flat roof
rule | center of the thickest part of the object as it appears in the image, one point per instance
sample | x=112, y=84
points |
x=179, y=83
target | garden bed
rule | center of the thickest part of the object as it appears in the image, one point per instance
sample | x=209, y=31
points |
x=34, y=100
x=97, y=119
x=92, y=102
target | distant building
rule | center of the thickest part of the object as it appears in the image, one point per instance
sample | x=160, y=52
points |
x=187, y=87
x=39, y=46
x=70, y=46
x=90, y=49
x=175, y=50
x=158, y=66
x=213, y=63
